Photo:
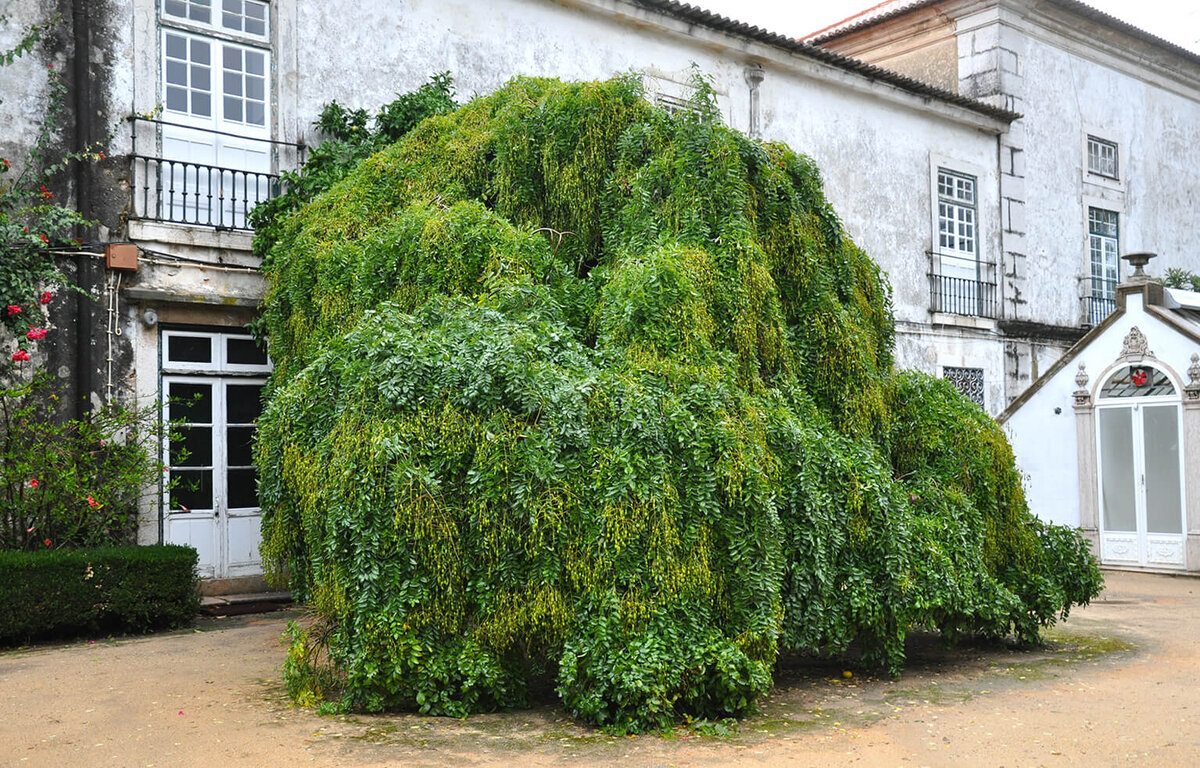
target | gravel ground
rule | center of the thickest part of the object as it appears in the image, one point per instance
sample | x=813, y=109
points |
x=1118, y=684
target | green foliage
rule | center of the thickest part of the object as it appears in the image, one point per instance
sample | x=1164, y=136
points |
x=32, y=221
x=348, y=139
x=65, y=593
x=70, y=482
x=569, y=388
x=1177, y=277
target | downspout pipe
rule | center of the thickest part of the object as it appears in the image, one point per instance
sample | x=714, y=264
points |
x=84, y=271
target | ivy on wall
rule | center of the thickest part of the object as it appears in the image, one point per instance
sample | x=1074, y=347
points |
x=569, y=388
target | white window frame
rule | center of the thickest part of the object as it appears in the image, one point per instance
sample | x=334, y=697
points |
x=216, y=19
x=217, y=120
x=220, y=354
x=1100, y=238
x=1098, y=183
x=954, y=203
x=1101, y=144
x=673, y=92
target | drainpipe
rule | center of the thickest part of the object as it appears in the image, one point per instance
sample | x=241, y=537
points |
x=84, y=272
x=754, y=75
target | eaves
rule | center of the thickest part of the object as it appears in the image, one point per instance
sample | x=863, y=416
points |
x=860, y=70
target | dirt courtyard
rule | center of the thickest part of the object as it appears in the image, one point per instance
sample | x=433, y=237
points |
x=1118, y=684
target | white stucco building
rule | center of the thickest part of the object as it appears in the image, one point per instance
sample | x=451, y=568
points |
x=1109, y=437
x=1101, y=162
x=971, y=190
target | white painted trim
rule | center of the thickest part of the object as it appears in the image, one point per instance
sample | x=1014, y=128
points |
x=1115, y=136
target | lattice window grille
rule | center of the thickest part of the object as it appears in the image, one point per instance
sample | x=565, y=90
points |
x=968, y=381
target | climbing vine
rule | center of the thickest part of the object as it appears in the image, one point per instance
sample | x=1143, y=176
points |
x=568, y=388
x=33, y=221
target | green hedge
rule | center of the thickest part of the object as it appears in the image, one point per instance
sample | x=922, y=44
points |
x=62, y=593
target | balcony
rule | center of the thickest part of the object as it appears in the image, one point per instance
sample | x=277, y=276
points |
x=962, y=286
x=1101, y=302
x=203, y=177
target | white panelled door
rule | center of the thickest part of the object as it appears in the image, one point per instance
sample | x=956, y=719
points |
x=212, y=394
x=1141, y=470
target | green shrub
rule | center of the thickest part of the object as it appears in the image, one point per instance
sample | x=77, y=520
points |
x=69, y=483
x=570, y=388
x=64, y=593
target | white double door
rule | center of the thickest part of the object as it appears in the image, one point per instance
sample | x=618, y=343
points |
x=1141, y=484
x=212, y=179
x=211, y=500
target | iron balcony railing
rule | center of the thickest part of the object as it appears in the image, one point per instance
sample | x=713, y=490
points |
x=1101, y=302
x=181, y=191
x=962, y=286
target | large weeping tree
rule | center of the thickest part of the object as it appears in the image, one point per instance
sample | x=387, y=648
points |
x=571, y=389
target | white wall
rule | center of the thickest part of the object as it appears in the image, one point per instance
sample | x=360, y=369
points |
x=1045, y=442
x=1071, y=90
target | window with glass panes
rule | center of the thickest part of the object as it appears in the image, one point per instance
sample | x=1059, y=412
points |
x=956, y=213
x=211, y=81
x=1103, y=253
x=212, y=385
x=1102, y=157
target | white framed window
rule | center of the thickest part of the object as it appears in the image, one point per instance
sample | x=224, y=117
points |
x=250, y=18
x=212, y=352
x=1103, y=158
x=958, y=232
x=960, y=281
x=212, y=384
x=216, y=152
x=1104, y=233
x=215, y=84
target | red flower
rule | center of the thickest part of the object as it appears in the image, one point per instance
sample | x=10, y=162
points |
x=101, y=155
x=46, y=542
x=46, y=296
x=33, y=483
x=33, y=334
x=44, y=239
x=13, y=309
x=20, y=355
x=46, y=194
x=7, y=164
x=93, y=503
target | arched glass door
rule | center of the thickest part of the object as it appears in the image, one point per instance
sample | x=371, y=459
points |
x=1141, y=469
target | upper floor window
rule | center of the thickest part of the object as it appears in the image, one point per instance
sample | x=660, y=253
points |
x=960, y=283
x=213, y=82
x=957, y=230
x=1103, y=250
x=239, y=17
x=215, y=139
x=1102, y=157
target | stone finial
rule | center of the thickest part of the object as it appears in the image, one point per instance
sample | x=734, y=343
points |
x=1135, y=346
x=1192, y=389
x=1137, y=261
x=1081, y=381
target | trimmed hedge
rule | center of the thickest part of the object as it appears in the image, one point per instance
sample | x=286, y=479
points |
x=62, y=593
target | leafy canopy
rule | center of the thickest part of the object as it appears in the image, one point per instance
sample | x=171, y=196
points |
x=569, y=388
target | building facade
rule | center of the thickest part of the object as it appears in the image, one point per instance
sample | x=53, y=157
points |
x=1100, y=163
x=203, y=103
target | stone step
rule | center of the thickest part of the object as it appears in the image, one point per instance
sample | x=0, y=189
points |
x=250, y=602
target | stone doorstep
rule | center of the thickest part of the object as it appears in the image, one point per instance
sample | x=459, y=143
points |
x=252, y=602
